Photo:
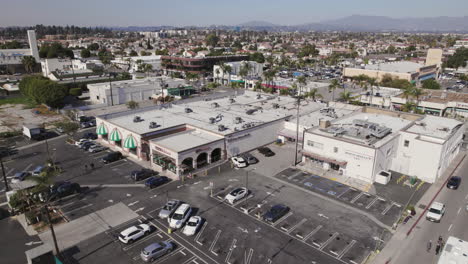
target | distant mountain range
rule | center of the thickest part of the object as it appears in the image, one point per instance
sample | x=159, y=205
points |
x=372, y=23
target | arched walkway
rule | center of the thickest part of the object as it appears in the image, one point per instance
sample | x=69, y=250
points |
x=202, y=160
x=188, y=162
x=216, y=155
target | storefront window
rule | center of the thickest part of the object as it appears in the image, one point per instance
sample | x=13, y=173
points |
x=133, y=151
x=118, y=143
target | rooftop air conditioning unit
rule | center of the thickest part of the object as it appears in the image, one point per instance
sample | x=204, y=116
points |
x=222, y=128
x=214, y=105
x=231, y=100
x=154, y=125
x=238, y=120
x=137, y=119
x=188, y=110
x=275, y=106
x=212, y=120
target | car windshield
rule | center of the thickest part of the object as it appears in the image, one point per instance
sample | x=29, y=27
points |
x=435, y=211
x=236, y=192
x=194, y=223
x=168, y=207
x=178, y=216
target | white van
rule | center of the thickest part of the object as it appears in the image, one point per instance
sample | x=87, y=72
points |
x=180, y=216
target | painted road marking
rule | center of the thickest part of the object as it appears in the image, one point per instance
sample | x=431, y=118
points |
x=357, y=197
x=231, y=249
x=450, y=227
x=282, y=219
x=297, y=225
x=135, y=243
x=214, y=242
x=372, y=203
x=248, y=257
x=329, y=240
x=130, y=204
x=387, y=209
x=459, y=210
x=200, y=233
x=346, y=249
x=312, y=233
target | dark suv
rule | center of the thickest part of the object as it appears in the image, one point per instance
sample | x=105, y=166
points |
x=111, y=157
x=156, y=181
x=275, y=213
x=266, y=151
x=142, y=174
x=63, y=189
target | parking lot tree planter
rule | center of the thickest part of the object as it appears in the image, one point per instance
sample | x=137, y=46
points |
x=32, y=217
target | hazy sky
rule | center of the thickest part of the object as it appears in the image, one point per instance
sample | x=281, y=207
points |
x=208, y=12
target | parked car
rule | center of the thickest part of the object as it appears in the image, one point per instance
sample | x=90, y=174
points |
x=133, y=233
x=138, y=175
x=454, y=182
x=435, y=212
x=239, y=162
x=249, y=158
x=20, y=176
x=266, y=151
x=156, y=250
x=63, y=189
x=236, y=194
x=275, y=213
x=88, y=124
x=38, y=170
x=96, y=148
x=111, y=157
x=169, y=208
x=87, y=145
x=81, y=141
x=180, y=216
x=90, y=135
x=156, y=181
x=192, y=226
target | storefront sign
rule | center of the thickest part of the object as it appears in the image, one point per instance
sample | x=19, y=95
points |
x=462, y=105
x=238, y=137
x=159, y=149
x=358, y=156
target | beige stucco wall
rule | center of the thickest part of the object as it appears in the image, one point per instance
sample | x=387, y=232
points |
x=353, y=72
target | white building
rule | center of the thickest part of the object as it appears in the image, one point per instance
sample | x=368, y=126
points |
x=186, y=137
x=379, y=96
x=462, y=43
x=14, y=56
x=133, y=90
x=134, y=64
x=361, y=145
x=255, y=70
x=455, y=251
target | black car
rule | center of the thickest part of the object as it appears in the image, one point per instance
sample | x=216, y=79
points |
x=63, y=189
x=454, y=182
x=87, y=145
x=142, y=174
x=156, y=181
x=266, y=151
x=90, y=135
x=275, y=213
x=111, y=157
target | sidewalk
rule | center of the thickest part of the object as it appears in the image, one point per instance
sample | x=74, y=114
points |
x=400, y=241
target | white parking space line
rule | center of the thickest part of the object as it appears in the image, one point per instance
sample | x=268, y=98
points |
x=248, y=256
x=216, y=194
x=27, y=168
x=328, y=241
x=154, y=210
x=357, y=197
x=346, y=249
x=233, y=245
x=297, y=225
x=282, y=219
x=242, y=200
x=371, y=203
x=167, y=256
x=387, y=209
x=459, y=210
x=466, y=197
x=213, y=244
x=450, y=227
x=312, y=233
x=200, y=233
x=11, y=170
x=189, y=260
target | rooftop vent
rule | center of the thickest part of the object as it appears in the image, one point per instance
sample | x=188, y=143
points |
x=188, y=110
x=214, y=105
x=445, y=129
x=275, y=106
x=154, y=125
x=238, y=120
x=212, y=120
x=259, y=96
x=420, y=124
x=251, y=111
x=231, y=100
x=222, y=128
x=137, y=119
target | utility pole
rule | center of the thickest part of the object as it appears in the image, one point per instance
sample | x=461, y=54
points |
x=297, y=123
x=110, y=86
x=4, y=174
x=51, y=226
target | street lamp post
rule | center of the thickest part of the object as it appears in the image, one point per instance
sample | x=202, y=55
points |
x=52, y=231
x=4, y=174
x=110, y=87
x=297, y=124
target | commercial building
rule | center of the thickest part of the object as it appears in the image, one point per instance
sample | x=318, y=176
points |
x=201, y=65
x=461, y=43
x=137, y=90
x=255, y=71
x=455, y=251
x=188, y=137
x=61, y=69
x=365, y=144
x=133, y=64
x=11, y=58
x=406, y=70
x=288, y=83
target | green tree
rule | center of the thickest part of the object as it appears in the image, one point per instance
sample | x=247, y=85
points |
x=43, y=91
x=75, y=91
x=29, y=62
x=308, y=50
x=458, y=59
x=391, y=49
x=68, y=127
x=346, y=96
x=133, y=53
x=11, y=45
x=244, y=72
x=85, y=53
x=162, y=52
x=257, y=56
x=314, y=94
x=430, y=84
x=93, y=46
x=55, y=50
x=132, y=105
x=212, y=40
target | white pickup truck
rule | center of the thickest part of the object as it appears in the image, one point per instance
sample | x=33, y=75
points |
x=435, y=212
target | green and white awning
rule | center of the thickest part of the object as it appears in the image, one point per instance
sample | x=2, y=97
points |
x=101, y=130
x=130, y=142
x=115, y=136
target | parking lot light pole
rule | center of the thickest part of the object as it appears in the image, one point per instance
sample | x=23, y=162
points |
x=52, y=231
x=4, y=174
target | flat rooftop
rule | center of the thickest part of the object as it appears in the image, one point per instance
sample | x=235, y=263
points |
x=365, y=128
x=383, y=92
x=151, y=82
x=439, y=96
x=186, y=140
x=325, y=113
x=222, y=116
x=435, y=127
x=398, y=66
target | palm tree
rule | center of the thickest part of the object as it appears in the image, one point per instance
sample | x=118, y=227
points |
x=217, y=72
x=346, y=96
x=417, y=93
x=28, y=62
x=372, y=82
x=332, y=87
x=313, y=94
x=43, y=180
x=245, y=71
x=302, y=81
